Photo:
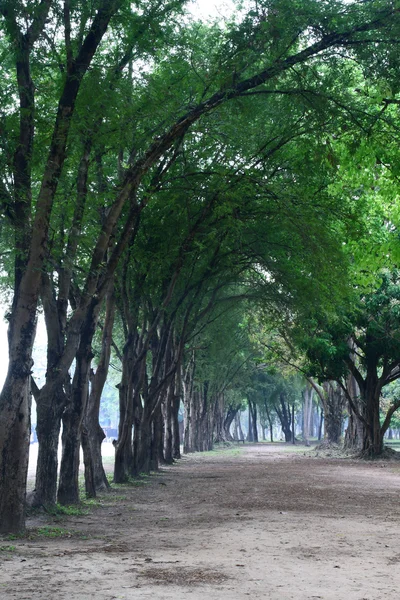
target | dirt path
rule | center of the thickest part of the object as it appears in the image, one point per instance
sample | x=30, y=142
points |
x=257, y=522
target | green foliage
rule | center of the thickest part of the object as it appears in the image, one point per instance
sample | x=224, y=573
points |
x=8, y=549
x=74, y=510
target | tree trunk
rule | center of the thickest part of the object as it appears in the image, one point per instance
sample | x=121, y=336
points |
x=271, y=430
x=167, y=407
x=307, y=410
x=157, y=444
x=68, y=487
x=176, y=400
x=145, y=438
x=293, y=427
x=48, y=413
x=92, y=433
x=321, y=422
x=333, y=412
x=284, y=415
x=14, y=436
x=250, y=431
x=239, y=426
x=354, y=434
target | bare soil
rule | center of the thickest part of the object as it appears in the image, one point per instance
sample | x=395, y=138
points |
x=258, y=521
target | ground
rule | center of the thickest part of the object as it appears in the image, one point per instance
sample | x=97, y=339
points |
x=259, y=521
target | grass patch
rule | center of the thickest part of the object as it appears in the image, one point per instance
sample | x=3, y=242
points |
x=8, y=549
x=50, y=532
x=14, y=536
x=221, y=451
x=135, y=482
x=118, y=498
x=76, y=510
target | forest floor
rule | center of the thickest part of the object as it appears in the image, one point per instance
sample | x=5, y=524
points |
x=260, y=521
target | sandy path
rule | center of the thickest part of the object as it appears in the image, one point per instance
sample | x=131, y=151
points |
x=262, y=523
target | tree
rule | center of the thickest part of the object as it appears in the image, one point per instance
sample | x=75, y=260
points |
x=365, y=344
x=255, y=58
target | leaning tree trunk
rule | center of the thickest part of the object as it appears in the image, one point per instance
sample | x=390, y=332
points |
x=283, y=412
x=228, y=420
x=68, y=487
x=92, y=434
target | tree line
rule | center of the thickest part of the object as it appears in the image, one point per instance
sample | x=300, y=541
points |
x=168, y=185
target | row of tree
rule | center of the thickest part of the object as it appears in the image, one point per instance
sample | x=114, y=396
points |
x=164, y=181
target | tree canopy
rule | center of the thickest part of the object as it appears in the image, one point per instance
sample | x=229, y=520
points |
x=167, y=183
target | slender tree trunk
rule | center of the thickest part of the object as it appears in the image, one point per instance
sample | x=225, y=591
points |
x=293, y=427
x=308, y=400
x=250, y=431
x=157, y=446
x=92, y=433
x=176, y=400
x=271, y=429
x=168, y=424
x=321, y=422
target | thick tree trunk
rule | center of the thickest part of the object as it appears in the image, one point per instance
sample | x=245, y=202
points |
x=14, y=448
x=68, y=488
x=354, y=435
x=145, y=439
x=333, y=413
x=48, y=413
x=373, y=438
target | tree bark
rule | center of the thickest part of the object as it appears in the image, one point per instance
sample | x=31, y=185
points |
x=94, y=434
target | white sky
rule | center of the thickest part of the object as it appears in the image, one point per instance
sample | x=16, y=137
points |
x=211, y=8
